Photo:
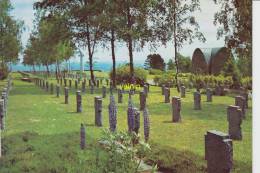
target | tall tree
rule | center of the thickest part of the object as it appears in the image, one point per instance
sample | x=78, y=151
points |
x=181, y=24
x=10, y=35
x=136, y=27
x=82, y=17
x=155, y=61
x=56, y=38
x=235, y=20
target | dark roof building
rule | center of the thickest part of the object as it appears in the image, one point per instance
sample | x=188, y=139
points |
x=209, y=60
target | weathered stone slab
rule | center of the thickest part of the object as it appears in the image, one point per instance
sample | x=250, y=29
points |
x=112, y=110
x=183, y=91
x=167, y=95
x=92, y=89
x=82, y=137
x=197, y=100
x=146, y=90
x=57, y=90
x=51, y=89
x=70, y=83
x=176, y=109
x=98, y=111
x=2, y=114
x=209, y=94
x=79, y=101
x=245, y=95
x=234, y=117
x=83, y=87
x=66, y=94
x=120, y=96
x=240, y=101
x=218, y=152
x=104, y=91
x=163, y=88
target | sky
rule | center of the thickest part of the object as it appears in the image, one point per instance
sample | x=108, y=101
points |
x=23, y=10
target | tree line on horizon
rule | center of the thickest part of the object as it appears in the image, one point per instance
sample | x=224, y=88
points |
x=62, y=27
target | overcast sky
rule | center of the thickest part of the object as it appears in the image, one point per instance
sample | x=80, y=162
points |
x=23, y=10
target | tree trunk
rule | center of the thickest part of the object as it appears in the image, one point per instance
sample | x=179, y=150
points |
x=47, y=67
x=34, y=71
x=113, y=57
x=175, y=48
x=56, y=70
x=130, y=44
x=90, y=57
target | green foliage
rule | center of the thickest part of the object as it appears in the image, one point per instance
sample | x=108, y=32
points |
x=122, y=153
x=165, y=79
x=56, y=37
x=154, y=61
x=4, y=72
x=202, y=81
x=123, y=75
x=184, y=64
x=170, y=65
x=235, y=24
x=155, y=72
x=10, y=36
x=244, y=65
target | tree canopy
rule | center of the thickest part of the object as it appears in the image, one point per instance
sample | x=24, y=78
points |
x=10, y=35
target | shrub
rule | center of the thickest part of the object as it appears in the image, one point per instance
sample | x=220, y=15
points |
x=3, y=73
x=164, y=79
x=155, y=72
x=123, y=75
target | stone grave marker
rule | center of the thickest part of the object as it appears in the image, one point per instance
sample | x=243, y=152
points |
x=167, y=95
x=82, y=137
x=234, y=117
x=98, y=111
x=183, y=91
x=104, y=91
x=209, y=94
x=176, y=109
x=79, y=101
x=197, y=100
x=57, y=90
x=218, y=152
x=240, y=101
x=66, y=94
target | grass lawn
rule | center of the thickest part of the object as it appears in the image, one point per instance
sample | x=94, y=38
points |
x=42, y=132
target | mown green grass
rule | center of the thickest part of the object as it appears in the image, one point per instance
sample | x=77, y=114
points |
x=43, y=133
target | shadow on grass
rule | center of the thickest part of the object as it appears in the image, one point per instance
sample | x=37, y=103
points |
x=171, y=160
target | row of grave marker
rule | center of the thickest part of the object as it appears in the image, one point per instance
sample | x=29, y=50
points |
x=218, y=145
x=132, y=113
x=3, y=107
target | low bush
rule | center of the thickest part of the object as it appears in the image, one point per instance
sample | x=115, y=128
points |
x=155, y=72
x=123, y=75
x=203, y=81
